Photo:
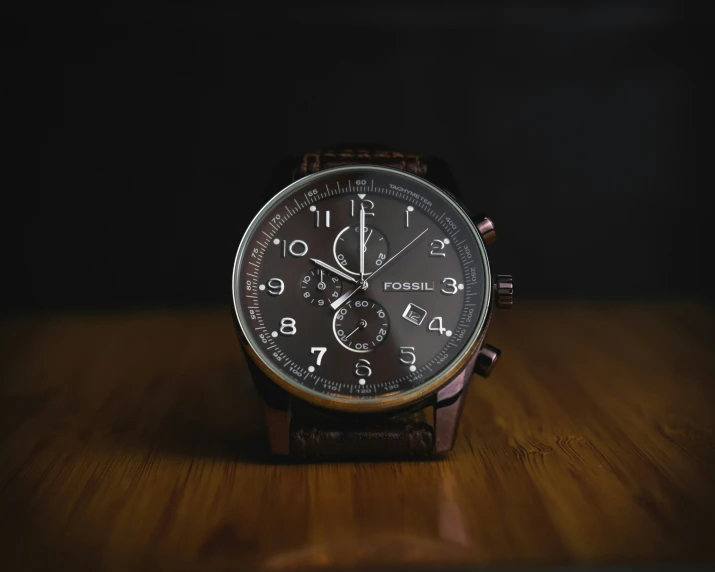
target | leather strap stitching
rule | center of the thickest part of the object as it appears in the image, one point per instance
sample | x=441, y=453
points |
x=315, y=161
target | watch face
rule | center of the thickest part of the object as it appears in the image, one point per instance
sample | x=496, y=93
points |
x=361, y=287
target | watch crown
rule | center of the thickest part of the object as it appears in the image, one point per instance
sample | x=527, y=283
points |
x=485, y=226
x=486, y=360
x=504, y=290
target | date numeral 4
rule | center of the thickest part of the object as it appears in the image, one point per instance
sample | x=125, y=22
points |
x=435, y=325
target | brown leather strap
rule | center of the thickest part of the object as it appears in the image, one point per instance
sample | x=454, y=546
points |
x=313, y=162
x=309, y=441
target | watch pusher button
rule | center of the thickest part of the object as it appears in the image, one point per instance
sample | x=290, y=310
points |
x=485, y=226
x=504, y=290
x=486, y=360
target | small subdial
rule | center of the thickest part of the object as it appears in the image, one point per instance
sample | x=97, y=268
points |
x=320, y=287
x=346, y=249
x=361, y=325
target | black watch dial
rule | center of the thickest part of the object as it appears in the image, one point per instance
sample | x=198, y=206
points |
x=360, y=282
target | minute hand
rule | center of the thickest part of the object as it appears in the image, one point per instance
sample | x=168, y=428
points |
x=362, y=242
x=345, y=297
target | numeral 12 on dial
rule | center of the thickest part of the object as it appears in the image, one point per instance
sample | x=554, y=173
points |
x=367, y=204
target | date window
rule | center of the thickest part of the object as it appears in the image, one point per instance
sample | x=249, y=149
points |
x=414, y=314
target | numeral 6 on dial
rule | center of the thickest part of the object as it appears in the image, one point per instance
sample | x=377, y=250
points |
x=362, y=368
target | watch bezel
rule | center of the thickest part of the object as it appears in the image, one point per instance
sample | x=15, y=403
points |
x=348, y=404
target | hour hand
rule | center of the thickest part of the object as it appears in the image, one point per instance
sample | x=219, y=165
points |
x=335, y=271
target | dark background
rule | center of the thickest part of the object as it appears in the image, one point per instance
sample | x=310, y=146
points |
x=137, y=141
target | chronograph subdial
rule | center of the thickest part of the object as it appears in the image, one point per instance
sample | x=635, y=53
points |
x=346, y=249
x=361, y=325
x=320, y=287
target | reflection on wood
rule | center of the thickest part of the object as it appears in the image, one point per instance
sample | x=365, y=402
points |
x=137, y=441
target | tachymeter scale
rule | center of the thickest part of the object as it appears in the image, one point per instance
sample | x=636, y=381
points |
x=434, y=294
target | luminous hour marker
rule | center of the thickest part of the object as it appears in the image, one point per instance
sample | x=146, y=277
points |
x=274, y=334
x=276, y=241
x=461, y=286
x=407, y=216
x=311, y=369
x=261, y=287
x=361, y=381
x=315, y=210
x=413, y=368
x=448, y=332
x=446, y=241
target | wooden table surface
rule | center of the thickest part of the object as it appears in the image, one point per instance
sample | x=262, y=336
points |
x=134, y=441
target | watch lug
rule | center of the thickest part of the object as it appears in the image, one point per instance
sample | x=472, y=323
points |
x=278, y=428
x=446, y=422
x=459, y=381
x=276, y=410
x=448, y=410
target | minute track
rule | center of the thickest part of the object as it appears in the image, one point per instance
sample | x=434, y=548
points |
x=288, y=355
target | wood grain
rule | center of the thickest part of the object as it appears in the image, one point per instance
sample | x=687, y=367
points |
x=135, y=441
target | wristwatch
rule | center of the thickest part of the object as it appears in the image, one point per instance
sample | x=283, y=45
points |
x=362, y=293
